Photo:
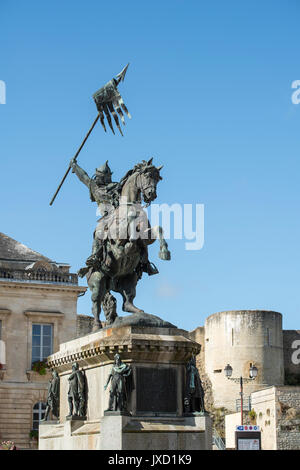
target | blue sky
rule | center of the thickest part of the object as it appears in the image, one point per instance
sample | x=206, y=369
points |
x=209, y=90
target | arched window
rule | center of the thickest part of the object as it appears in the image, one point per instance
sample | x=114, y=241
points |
x=38, y=413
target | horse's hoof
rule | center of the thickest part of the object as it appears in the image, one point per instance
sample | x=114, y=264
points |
x=130, y=308
x=165, y=255
x=96, y=327
x=137, y=311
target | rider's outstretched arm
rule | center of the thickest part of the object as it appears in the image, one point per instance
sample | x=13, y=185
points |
x=82, y=175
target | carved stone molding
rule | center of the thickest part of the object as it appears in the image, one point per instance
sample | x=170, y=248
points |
x=40, y=313
x=5, y=311
x=100, y=348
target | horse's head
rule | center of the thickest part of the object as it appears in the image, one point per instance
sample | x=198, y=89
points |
x=149, y=176
x=140, y=182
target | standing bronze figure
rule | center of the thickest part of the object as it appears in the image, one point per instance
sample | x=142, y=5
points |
x=121, y=385
x=194, y=393
x=53, y=396
x=76, y=393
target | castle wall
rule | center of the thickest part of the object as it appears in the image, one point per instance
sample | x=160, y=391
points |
x=242, y=338
x=198, y=335
x=288, y=418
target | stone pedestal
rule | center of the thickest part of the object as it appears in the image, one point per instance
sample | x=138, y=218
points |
x=157, y=357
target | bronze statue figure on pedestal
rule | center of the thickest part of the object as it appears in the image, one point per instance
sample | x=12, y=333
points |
x=121, y=385
x=194, y=393
x=76, y=393
x=53, y=396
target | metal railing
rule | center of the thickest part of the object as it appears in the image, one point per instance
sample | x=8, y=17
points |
x=218, y=441
x=38, y=276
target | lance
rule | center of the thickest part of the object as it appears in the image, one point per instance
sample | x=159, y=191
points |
x=108, y=101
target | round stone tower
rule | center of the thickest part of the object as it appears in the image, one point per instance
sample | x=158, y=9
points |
x=243, y=338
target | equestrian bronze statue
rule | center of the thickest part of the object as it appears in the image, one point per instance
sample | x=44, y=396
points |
x=119, y=255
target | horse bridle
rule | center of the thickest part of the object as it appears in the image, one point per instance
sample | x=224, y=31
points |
x=144, y=189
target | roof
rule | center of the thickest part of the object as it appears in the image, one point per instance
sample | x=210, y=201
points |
x=10, y=249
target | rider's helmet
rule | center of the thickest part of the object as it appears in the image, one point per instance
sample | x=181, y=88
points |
x=103, y=174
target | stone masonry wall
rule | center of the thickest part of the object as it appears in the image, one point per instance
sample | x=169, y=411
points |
x=288, y=418
x=16, y=405
x=217, y=414
x=84, y=325
x=198, y=335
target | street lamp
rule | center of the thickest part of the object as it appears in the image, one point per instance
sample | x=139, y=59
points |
x=228, y=371
x=253, y=371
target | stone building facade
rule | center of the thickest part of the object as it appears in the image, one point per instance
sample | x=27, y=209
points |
x=278, y=415
x=38, y=310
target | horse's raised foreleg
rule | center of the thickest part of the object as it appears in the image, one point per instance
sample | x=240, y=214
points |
x=97, y=285
x=126, y=286
x=158, y=233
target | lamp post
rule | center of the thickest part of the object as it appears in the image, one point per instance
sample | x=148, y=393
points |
x=252, y=376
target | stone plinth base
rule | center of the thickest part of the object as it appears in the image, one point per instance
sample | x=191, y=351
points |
x=129, y=433
x=75, y=418
x=73, y=434
x=157, y=357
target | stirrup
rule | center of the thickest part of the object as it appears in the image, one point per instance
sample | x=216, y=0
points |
x=151, y=269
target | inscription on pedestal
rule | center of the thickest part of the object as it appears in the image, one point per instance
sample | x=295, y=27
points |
x=156, y=390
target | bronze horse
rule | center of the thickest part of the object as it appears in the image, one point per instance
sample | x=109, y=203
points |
x=122, y=237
